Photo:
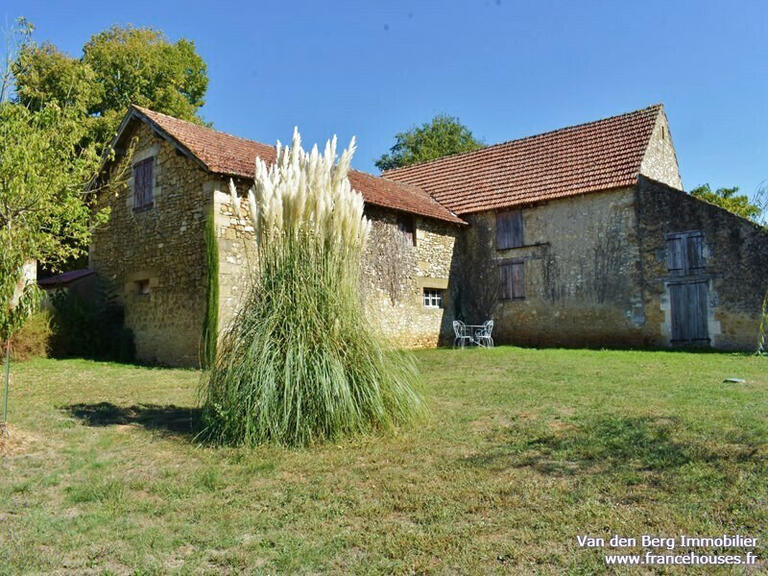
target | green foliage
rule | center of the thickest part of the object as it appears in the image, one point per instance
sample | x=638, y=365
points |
x=46, y=75
x=18, y=298
x=300, y=362
x=33, y=339
x=118, y=67
x=43, y=173
x=728, y=199
x=211, y=326
x=442, y=136
x=43, y=215
x=90, y=327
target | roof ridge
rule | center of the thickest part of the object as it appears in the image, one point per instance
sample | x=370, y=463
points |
x=658, y=106
x=173, y=127
x=198, y=126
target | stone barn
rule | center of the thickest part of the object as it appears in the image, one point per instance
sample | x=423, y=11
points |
x=577, y=237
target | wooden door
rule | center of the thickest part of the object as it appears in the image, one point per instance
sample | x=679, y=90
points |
x=689, y=313
x=688, y=288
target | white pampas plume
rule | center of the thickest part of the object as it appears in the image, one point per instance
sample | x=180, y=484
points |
x=253, y=209
x=234, y=198
x=303, y=193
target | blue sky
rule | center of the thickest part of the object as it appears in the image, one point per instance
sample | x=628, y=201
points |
x=506, y=69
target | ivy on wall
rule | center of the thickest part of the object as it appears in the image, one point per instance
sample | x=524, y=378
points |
x=211, y=321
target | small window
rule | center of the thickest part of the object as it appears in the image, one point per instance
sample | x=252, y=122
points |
x=142, y=287
x=509, y=229
x=142, y=184
x=407, y=227
x=512, y=280
x=433, y=298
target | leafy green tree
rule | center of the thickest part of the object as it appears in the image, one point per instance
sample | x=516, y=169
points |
x=118, y=67
x=45, y=75
x=728, y=199
x=44, y=216
x=441, y=136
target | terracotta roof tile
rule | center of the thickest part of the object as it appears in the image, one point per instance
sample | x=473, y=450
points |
x=601, y=155
x=223, y=153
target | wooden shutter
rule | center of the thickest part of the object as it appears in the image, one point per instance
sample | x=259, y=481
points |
x=694, y=253
x=407, y=226
x=685, y=253
x=142, y=183
x=509, y=229
x=518, y=280
x=675, y=256
x=511, y=275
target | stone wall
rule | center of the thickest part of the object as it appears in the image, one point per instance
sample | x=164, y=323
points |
x=580, y=274
x=736, y=264
x=237, y=249
x=660, y=160
x=162, y=246
x=594, y=266
x=395, y=272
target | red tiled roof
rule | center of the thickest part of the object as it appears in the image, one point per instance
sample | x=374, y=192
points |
x=601, y=155
x=223, y=153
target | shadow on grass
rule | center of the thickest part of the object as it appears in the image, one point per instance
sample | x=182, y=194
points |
x=610, y=444
x=169, y=419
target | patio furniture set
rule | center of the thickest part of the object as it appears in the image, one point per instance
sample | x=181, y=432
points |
x=477, y=334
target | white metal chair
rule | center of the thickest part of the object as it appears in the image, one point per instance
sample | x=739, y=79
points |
x=461, y=334
x=484, y=337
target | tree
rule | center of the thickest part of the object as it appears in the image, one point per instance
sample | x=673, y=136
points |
x=441, y=136
x=118, y=67
x=728, y=199
x=44, y=216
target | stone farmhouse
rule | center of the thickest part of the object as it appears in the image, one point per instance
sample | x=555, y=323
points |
x=577, y=237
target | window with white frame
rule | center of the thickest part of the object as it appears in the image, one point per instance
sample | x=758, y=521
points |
x=433, y=298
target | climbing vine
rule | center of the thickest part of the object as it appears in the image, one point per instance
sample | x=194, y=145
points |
x=211, y=322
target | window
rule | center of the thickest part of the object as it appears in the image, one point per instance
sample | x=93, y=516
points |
x=407, y=227
x=142, y=184
x=142, y=287
x=685, y=253
x=509, y=229
x=433, y=298
x=512, y=280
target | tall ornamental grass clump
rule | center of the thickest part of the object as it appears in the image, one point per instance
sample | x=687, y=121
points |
x=301, y=362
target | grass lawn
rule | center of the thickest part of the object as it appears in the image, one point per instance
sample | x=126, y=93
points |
x=525, y=450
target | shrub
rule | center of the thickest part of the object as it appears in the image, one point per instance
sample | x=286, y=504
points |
x=300, y=362
x=33, y=339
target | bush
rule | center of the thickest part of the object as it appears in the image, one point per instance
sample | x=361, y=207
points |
x=90, y=327
x=33, y=339
x=300, y=362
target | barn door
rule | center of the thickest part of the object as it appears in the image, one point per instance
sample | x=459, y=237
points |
x=689, y=313
x=688, y=288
